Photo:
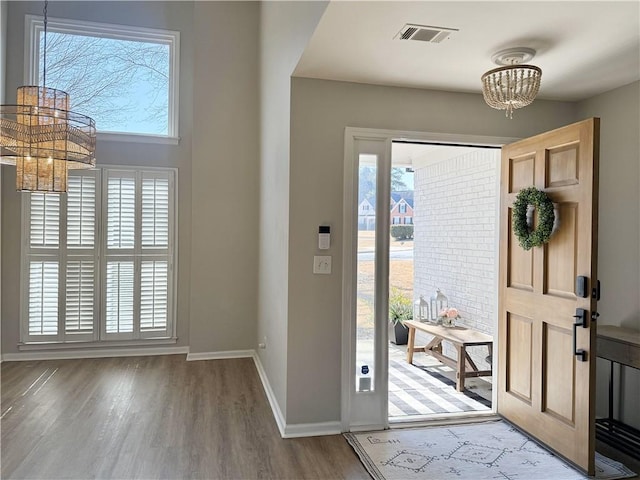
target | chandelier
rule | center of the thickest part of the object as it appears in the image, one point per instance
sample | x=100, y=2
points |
x=43, y=138
x=513, y=85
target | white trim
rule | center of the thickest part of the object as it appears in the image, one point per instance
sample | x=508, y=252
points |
x=312, y=429
x=137, y=138
x=94, y=353
x=42, y=346
x=273, y=402
x=294, y=430
x=413, y=136
x=220, y=355
x=34, y=24
x=350, y=211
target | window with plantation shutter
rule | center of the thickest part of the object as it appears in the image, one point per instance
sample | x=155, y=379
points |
x=138, y=254
x=99, y=262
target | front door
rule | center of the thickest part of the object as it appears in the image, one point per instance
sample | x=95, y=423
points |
x=544, y=388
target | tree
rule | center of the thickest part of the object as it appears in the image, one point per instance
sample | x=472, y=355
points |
x=118, y=82
x=367, y=181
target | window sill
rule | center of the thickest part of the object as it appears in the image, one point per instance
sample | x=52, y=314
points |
x=39, y=346
x=138, y=138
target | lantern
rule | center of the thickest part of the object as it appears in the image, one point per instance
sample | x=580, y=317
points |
x=438, y=302
x=421, y=310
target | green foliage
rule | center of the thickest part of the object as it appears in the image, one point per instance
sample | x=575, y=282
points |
x=367, y=181
x=402, y=232
x=397, y=183
x=400, y=307
x=540, y=235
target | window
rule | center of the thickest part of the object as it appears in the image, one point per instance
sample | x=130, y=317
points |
x=80, y=285
x=125, y=78
x=403, y=207
x=408, y=220
x=396, y=220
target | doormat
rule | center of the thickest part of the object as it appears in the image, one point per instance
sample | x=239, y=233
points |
x=489, y=450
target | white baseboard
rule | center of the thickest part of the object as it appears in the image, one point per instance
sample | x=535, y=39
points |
x=220, y=355
x=275, y=407
x=294, y=430
x=312, y=429
x=93, y=353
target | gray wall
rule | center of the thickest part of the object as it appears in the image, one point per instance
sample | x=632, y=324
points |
x=225, y=169
x=285, y=29
x=619, y=229
x=3, y=50
x=320, y=111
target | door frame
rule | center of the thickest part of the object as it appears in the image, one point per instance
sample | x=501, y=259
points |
x=349, y=254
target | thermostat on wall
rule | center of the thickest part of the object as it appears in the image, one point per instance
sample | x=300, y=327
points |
x=324, y=237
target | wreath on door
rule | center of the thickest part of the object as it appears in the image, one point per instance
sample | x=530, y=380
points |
x=527, y=237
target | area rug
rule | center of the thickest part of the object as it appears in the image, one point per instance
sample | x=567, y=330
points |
x=489, y=450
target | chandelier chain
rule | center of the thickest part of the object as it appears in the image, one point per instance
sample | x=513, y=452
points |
x=44, y=55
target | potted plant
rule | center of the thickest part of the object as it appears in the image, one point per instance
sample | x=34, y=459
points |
x=400, y=310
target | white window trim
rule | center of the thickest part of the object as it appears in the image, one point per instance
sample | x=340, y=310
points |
x=173, y=269
x=34, y=25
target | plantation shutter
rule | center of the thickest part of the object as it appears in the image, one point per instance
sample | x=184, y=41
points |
x=42, y=267
x=43, y=298
x=138, y=269
x=155, y=212
x=121, y=192
x=81, y=257
x=154, y=296
x=98, y=261
x=154, y=284
x=44, y=221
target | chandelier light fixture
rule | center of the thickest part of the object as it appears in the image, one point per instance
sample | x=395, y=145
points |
x=43, y=138
x=513, y=84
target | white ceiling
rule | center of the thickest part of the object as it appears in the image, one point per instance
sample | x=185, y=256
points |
x=584, y=47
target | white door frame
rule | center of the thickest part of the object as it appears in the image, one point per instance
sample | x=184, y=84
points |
x=349, y=258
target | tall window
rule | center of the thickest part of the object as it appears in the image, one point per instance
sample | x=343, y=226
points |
x=123, y=77
x=98, y=264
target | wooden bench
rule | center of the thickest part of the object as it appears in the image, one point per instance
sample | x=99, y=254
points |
x=461, y=338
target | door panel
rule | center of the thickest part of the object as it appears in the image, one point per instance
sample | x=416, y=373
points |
x=542, y=386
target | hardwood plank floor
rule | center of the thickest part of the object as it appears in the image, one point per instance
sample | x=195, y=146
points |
x=153, y=417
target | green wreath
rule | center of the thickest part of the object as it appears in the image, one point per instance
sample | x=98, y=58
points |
x=546, y=217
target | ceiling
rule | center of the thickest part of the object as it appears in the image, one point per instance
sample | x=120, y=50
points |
x=583, y=47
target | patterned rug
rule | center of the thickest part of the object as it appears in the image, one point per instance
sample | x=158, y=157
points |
x=490, y=450
x=420, y=390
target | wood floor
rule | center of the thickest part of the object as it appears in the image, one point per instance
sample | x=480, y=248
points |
x=153, y=417
x=158, y=418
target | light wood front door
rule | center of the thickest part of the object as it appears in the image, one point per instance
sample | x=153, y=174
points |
x=543, y=387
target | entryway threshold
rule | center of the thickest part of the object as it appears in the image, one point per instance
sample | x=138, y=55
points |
x=442, y=419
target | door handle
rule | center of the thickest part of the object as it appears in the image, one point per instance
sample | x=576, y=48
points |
x=581, y=314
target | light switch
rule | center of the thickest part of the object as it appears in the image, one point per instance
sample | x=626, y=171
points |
x=322, y=264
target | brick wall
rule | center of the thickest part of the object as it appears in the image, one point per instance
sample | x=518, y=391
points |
x=455, y=238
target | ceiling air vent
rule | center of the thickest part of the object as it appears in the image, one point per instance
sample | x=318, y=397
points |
x=424, y=33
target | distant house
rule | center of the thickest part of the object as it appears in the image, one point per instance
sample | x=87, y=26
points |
x=367, y=213
x=401, y=210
